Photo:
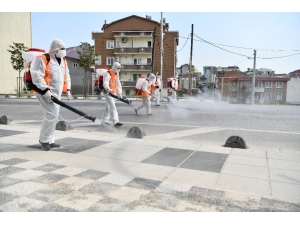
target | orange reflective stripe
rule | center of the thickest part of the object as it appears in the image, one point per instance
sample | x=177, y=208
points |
x=113, y=81
x=47, y=71
x=144, y=94
x=65, y=86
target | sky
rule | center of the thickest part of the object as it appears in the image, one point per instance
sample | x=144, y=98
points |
x=225, y=34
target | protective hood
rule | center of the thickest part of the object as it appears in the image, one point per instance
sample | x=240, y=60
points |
x=55, y=46
x=151, y=76
x=115, y=66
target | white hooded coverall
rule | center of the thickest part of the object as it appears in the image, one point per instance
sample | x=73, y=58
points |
x=145, y=99
x=110, y=111
x=50, y=109
x=156, y=93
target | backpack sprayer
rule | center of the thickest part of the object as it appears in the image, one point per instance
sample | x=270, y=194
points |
x=100, y=73
x=29, y=56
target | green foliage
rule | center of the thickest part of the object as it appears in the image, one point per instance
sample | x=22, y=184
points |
x=87, y=58
x=16, y=55
x=87, y=55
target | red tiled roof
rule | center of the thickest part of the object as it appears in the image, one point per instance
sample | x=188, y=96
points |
x=125, y=18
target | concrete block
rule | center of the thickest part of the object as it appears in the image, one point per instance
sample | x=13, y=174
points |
x=5, y=120
x=136, y=132
x=235, y=142
x=62, y=125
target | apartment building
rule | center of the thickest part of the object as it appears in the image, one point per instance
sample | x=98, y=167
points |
x=131, y=41
x=14, y=27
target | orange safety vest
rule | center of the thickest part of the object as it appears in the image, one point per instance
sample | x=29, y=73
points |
x=113, y=81
x=153, y=87
x=144, y=94
x=48, y=74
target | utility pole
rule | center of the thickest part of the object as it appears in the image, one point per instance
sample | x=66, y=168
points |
x=161, y=48
x=153, y=46
x=253, y=79
x=191, y=56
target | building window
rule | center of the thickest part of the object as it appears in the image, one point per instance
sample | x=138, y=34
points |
x=258, y=84
x=268, y=84
x=149, y=44
x=98, y=60
x=75, y=65
x=279, y=85
x=268, y=96
x=119, y=45
x=127, y=92
x=149, y=61
x=109, y=44
x=109, y=60
x=137, y=61
x=278, y=96
x=136, y=76
x=257, y=96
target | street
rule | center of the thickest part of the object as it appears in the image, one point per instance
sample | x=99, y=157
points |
x=263, y=126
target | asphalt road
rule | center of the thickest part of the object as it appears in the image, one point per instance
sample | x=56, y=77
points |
x=263, y=126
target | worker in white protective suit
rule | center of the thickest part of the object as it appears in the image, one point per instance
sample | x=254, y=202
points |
x=156, y=88
x=173, y=84
x=53, y=78
x=112, y=84
x=145, y=95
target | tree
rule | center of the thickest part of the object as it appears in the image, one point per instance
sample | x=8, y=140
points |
x=87, y=59
x=17, y=61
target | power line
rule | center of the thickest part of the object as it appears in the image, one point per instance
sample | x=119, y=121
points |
x=223, y=48
x=279, y=56
x=232, y=46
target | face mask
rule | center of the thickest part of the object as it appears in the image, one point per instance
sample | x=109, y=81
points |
x=117, y=70
x=60, y=53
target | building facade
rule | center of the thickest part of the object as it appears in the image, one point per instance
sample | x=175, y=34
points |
x=15, y=27
x=131, y=41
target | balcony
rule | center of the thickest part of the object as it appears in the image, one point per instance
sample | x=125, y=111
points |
x=136, y=67
x=143, y=50
x=259, y=89
x=132, y=33
x=128, y=83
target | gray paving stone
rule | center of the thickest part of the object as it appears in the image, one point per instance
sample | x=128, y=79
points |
x=110, y=205
x=7, y=181
x=92, y=174
x=100, y=188
x=145, y=184
x=5, y=197
x=79, y=146
x=49, y=167
x=9, y=170
x=205, y=161
x=168, y=157
x=52, y=207
x=160, y=200
x=53, y=192
x=6, y=133
x=199, y=194
x=49, y=178
x=13, y=161
x=275, y=205
x=195, y=163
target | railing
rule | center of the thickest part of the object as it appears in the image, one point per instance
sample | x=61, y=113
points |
x=147, y=50
x=136, y=67
x=128, y=83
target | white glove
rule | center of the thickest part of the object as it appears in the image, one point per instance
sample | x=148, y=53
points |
x=69, y=95
x=120, y=95
x=47, y=96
